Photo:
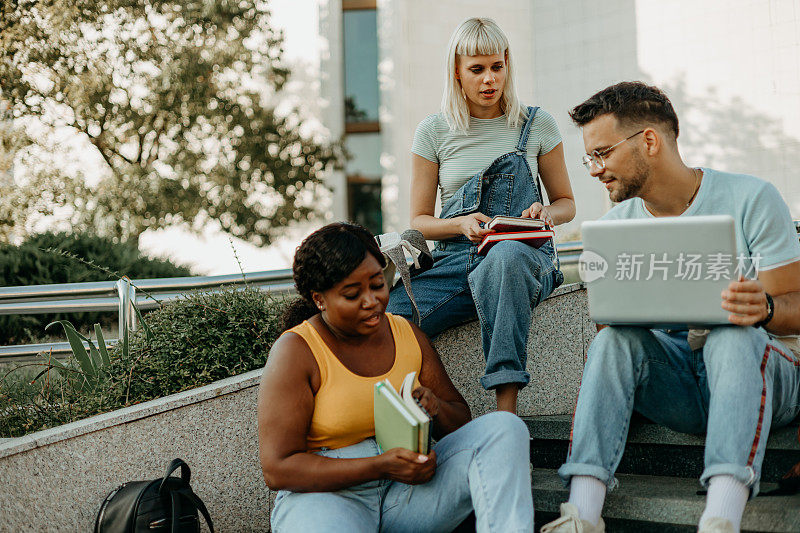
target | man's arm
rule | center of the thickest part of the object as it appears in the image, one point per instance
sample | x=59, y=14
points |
x=747, y=302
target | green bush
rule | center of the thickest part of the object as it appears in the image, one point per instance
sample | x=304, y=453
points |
x=203, y=338
x=188, y=343
x=30, y=264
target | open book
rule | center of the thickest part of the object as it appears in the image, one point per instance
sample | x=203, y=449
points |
x=506, y=224
x=534, y=238
x=400, y=422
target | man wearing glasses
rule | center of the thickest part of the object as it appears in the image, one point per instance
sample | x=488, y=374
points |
x=733, y=383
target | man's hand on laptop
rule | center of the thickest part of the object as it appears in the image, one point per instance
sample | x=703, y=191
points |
x=746, y=300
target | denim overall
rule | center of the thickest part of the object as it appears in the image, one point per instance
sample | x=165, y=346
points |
x=501, y=287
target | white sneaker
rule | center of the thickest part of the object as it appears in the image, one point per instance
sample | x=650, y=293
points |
x=570, y=522
x=717, y=525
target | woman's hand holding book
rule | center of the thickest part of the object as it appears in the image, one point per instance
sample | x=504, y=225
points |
x=405, y=466
x=427, y=400
x=472, y=226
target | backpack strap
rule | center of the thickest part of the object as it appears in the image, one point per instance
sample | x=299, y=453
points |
x=174, y=512
x=185, y=491
x=391, y=246
x=189, y=494
x=186, y=473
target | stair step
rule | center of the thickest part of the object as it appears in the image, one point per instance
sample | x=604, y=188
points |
x=663, y=504
x=557, y=427
x=656, y=450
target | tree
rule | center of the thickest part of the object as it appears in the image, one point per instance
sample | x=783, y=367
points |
x=178, y=99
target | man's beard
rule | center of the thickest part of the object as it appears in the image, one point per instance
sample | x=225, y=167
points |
x=633, y=186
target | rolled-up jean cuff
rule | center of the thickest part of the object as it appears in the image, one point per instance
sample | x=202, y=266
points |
x=502, y=377
x=743, y=474
x=568, y=470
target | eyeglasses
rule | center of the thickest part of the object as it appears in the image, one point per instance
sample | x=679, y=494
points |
x=596, y=157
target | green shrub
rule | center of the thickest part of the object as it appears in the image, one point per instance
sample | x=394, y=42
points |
x=188, y=343
x=203, y=338
x=30, y=264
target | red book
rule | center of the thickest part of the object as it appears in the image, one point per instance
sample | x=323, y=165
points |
x=512, y=224
x=534, y=238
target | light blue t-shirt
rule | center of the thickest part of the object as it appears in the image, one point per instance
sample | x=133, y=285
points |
x=764, y=226
x=462, y=155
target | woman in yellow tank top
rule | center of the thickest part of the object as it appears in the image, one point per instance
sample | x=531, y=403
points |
x=316, y=430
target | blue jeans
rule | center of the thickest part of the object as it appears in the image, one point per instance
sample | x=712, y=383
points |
x=501, y=289
x=734, y=389
x=483, y=466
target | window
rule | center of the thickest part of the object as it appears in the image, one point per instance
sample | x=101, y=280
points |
x=361, y=102
x=361, y=70
x=364, y=203
x=364, y=180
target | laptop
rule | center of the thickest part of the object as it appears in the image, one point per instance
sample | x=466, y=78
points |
x=664, y=272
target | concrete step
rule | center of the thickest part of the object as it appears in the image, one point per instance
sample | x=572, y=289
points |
x=661, y=504
x=655, y=450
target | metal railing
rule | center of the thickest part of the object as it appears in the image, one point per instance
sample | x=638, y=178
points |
x=569, y=252
x=117, y=296
x=122, y=295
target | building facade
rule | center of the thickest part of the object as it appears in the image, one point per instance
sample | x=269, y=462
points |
x=368, y=71
x=732, y=70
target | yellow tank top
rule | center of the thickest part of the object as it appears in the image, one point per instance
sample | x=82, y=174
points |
x=344, y=402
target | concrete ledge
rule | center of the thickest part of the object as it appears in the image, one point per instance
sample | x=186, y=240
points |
x=559, y=337
x=558, y=428
x=55, y=480
x=129, y=414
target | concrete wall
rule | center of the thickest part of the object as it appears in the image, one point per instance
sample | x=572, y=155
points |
x=559, y=337
x=55, y=480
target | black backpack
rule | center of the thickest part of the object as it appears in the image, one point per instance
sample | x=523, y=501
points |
x=166, y=504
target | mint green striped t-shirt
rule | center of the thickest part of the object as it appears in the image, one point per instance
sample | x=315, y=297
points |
x=461, y=156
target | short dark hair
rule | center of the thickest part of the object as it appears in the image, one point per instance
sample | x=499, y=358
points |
x=325, y=258
x=631, y=102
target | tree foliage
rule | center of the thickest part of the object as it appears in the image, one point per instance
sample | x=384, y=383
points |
x=178, y=99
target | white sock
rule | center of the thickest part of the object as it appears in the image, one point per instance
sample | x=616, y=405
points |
x=726, y=499
x=588, y=494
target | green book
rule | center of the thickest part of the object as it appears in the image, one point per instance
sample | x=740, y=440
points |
x=400, y=422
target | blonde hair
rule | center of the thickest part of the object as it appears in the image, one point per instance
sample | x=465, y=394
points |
x=477, y=36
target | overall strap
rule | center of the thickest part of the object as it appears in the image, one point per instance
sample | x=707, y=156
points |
x=522, y=145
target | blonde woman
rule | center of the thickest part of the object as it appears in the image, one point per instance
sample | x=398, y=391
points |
x=482, y=152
